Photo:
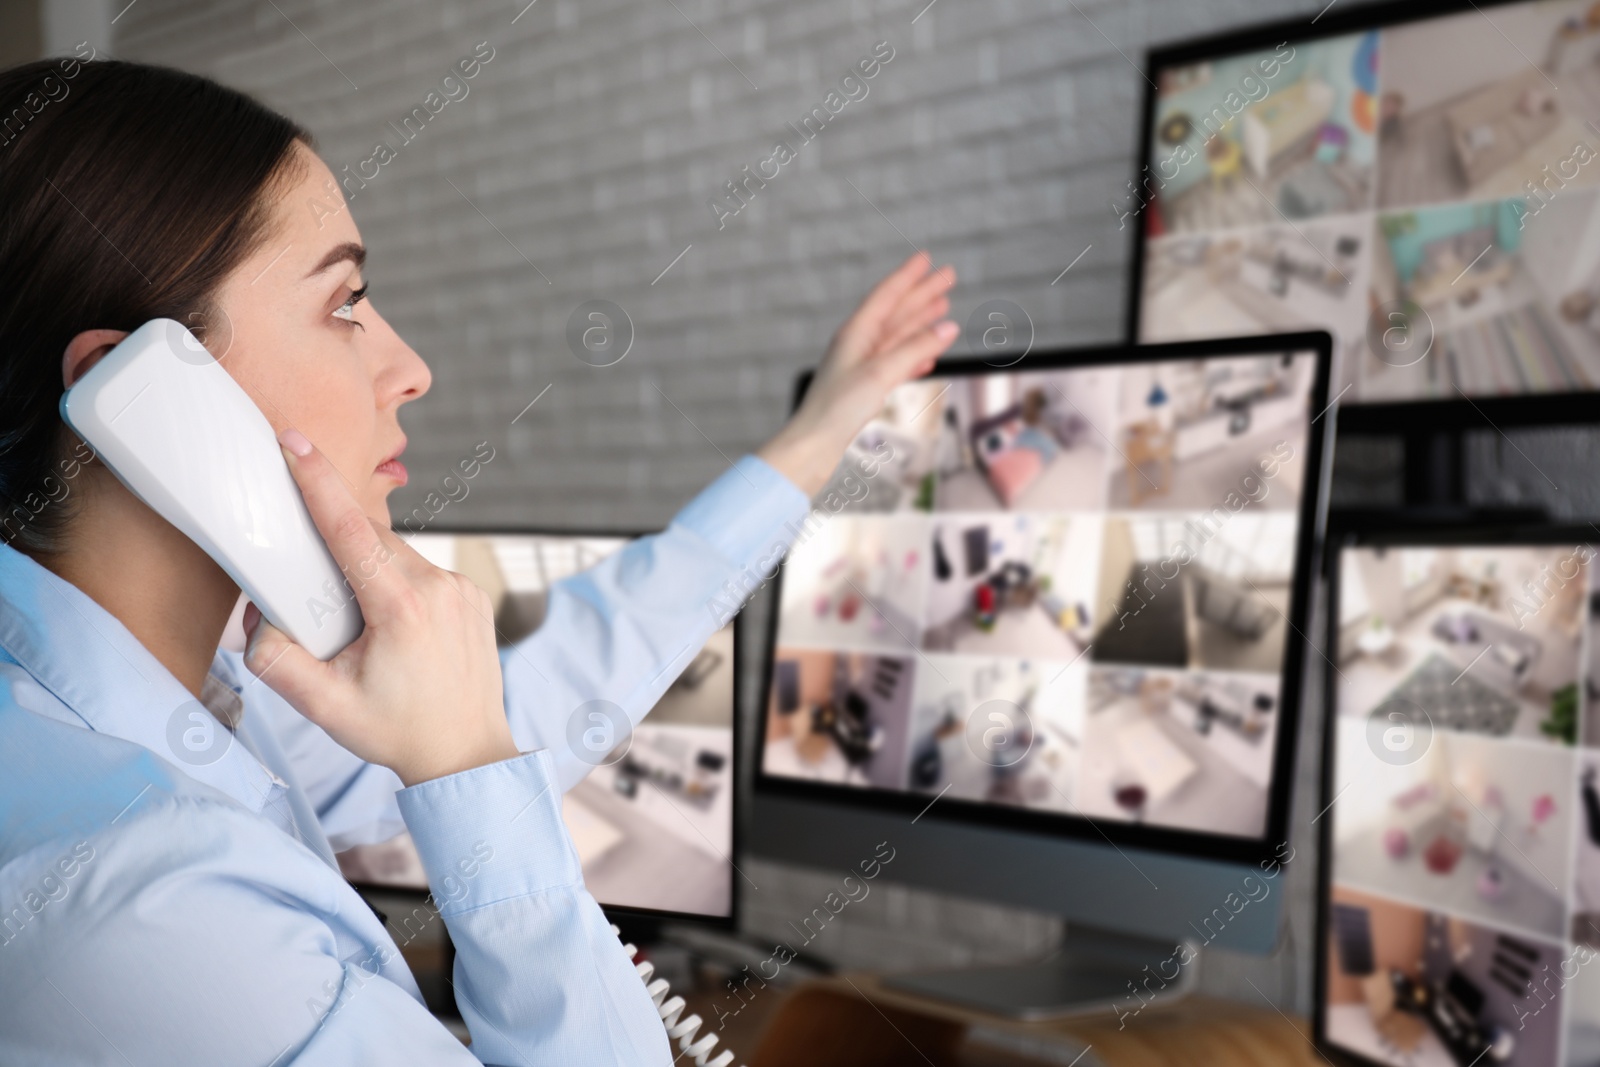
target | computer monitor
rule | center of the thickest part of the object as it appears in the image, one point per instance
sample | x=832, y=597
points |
x=1418, y=178
x=1460, y=886
x=654, y=827
x=1041, y=639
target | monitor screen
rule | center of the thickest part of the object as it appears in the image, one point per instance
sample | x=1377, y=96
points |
x=653, y=827
x=1058, y=597
x=1462, y=807
x=1425, y=188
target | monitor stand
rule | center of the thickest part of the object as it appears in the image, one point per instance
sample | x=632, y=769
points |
x=1093, y=971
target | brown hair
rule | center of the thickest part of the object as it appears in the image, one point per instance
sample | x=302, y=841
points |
x=127, y=193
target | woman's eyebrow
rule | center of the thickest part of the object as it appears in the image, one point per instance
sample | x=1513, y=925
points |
x=348, y=251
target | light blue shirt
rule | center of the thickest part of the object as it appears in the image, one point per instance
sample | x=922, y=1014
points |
x=168, y=888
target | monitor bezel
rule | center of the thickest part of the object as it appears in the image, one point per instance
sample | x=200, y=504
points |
x=1370, y=417
x=620, y=913
x=1373, y=530
x=1312, y=512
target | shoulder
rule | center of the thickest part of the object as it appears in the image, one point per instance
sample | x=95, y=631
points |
x=60, y=780
x=185, y=924
x=67, y=791
x=153, y=904
x=136, y=896
x=62, y=783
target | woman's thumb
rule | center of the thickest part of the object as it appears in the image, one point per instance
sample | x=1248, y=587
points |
x=272, y=652
x=266, y=641
x=286, y=667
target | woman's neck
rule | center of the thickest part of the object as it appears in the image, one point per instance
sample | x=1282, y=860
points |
x=159, y=584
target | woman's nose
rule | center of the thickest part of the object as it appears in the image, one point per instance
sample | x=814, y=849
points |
x=402, y=375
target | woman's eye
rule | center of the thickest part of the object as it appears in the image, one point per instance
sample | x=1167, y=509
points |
x=347, y=310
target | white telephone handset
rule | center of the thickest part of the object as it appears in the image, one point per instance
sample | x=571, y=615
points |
x=180, y=433
x=670, y=1010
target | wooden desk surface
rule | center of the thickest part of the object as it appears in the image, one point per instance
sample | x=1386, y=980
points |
x=851, y=1019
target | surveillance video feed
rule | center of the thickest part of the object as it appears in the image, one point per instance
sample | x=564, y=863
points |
x=1465, y=863
x=1426, y=190
x=1062, y=590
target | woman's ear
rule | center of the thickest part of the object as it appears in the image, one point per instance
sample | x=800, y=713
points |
x=85, y=350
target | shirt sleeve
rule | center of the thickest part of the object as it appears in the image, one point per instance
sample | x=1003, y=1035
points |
x=622, y=631
x=619, y=632
x=539, y=976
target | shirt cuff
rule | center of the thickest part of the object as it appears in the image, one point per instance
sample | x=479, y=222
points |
x=749, y=510
x=491, y=833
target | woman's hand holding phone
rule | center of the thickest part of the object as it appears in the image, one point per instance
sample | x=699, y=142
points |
x=420, y=690
x=897, y=334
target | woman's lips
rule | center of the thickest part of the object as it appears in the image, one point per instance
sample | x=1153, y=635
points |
x=394, y=469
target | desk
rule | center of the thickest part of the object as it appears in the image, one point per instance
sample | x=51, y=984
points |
x=850, y=1019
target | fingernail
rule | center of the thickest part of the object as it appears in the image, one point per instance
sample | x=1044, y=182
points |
x=946, y=330
x=295, y=442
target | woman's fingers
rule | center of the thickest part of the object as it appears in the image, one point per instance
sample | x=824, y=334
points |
x=906, y=327
x=272, y=654
x=866, y=323
x=291, y=671
x=915, y=301
x=361, y=550
x=917, y=354
x=894, y=285
x=895, y=334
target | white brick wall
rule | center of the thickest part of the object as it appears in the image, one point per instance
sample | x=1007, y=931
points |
x=997, y=137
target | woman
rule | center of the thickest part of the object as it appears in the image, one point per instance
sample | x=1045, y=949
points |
x=166, y=899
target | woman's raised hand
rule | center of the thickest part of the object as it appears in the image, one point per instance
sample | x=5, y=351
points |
x=419, y=691
x=895, y=335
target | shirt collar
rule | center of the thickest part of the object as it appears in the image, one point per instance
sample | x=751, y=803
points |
x=222, y=693
x=94, y=665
